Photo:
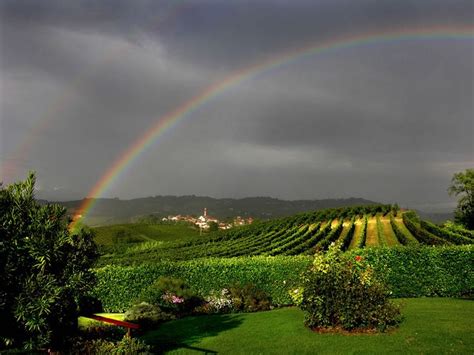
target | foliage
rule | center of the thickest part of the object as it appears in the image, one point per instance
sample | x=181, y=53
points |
x=213, y=226
x=412, y=222
x=147, y=315
x=349, y=235
x=331, y=237
x=126, y=346
x=133, y=233
x=118, y=287
x=173, y=295
x=248, y=298
x=408, y=271
x=219, y=302
x=363, y=232
x=402, y=236
x=419, y=271
x=343, y=293
x=44, y=269
x=458, y=229
x=452, y=237
x=462, y=184
x=380, y=232
x=300, y=234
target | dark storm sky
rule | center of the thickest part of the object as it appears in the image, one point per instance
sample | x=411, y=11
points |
x=82, y=80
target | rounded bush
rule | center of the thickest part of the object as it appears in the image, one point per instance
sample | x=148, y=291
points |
x=339, y=292
x=147, y=315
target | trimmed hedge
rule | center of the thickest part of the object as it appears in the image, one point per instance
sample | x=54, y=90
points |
x=119, y=286
x=408, y=271
x=423, y=270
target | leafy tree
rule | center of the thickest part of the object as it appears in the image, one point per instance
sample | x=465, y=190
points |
x=44, y=269
x=213, y=226
x=463, y=186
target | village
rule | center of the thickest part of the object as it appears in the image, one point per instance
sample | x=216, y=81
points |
x=206, y=222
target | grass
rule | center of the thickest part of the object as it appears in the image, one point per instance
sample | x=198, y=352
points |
x=372, y=233
x=139, y=232
x=85, y=322
x=390, y=237
x=431, y=326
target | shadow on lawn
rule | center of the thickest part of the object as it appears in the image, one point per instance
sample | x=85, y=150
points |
x=183, y=332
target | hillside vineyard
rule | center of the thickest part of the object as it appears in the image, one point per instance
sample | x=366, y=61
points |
x=304, y=234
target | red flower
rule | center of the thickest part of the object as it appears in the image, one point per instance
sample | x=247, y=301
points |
x=358, y=258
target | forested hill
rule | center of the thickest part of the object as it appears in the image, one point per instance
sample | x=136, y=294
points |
x=116, y=210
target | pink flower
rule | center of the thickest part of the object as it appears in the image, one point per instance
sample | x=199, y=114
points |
x=176, y=299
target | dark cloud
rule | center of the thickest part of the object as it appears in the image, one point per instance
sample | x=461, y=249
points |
x=82, y=80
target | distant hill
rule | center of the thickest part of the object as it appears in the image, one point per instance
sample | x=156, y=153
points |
x=108, y=211
x=436, y=217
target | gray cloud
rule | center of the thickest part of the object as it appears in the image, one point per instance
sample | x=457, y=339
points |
x=82, y=80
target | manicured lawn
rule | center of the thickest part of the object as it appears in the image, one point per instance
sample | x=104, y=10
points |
x=86, y=322
x=431, y=326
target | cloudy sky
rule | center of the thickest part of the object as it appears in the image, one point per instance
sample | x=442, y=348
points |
x=82, y=80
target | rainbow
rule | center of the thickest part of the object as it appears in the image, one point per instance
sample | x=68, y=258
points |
x=167, y=121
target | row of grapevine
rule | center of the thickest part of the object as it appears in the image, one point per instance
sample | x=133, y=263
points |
x=443, y=233
x=331, y=237
x=346, y=241
x=301, y=234
x=380, y=232
x=310, y=242
x=363, y=232
x=422, y=235
x=403, y=236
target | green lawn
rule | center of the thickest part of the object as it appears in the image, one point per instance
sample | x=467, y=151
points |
x=139, y=232
x=87, y=322
x=431, y=326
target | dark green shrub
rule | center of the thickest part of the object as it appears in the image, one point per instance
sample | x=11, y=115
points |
x=172, y=295
x=44, y=270
x=89, y=305
x=147, y=315
x=342, y=293
x=248, y=298
x=126, y=346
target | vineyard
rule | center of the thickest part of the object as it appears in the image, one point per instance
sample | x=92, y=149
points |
x=303, y=234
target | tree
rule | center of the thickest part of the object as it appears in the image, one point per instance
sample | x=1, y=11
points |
x=463, y=186
x=213, y=226
x=44, y=269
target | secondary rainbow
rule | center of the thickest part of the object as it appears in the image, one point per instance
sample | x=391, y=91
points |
x=165, y=122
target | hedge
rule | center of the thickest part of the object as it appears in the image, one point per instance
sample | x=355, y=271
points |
x=119, y=286
x=419, y=271
x=408, y=271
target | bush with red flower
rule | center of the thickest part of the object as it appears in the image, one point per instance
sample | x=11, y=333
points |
x=340, y=292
